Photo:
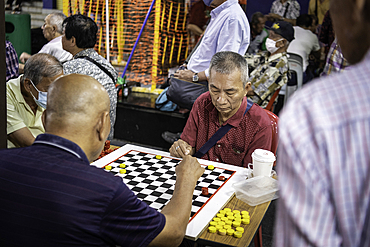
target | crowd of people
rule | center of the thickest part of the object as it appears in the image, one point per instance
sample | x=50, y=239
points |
x=61, y=108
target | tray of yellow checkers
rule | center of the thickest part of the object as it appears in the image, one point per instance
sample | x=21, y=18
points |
x=229, y=222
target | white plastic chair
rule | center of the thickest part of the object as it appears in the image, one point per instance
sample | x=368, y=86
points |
x=295, y=63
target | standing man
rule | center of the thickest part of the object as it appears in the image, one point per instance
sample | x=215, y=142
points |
x=226, y=104
x=319, y=9
x=228, y=30
x=79, y=39
x=324, y=158
x=284, y=10
x=52, y=30
x=26, y=99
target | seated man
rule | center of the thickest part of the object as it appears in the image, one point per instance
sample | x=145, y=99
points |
x=228, y=30
x=52, y=30
x=58, y=199
x=305, y=43
x=79, y=39
x=259, y=33
x=26, y=99
x=273, y=73
x=226, y=104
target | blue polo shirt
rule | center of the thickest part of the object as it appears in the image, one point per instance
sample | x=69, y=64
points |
x=51, y=196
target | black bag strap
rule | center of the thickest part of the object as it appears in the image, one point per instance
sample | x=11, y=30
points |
x=100, y=67
x=286, y=10
x=218, y=135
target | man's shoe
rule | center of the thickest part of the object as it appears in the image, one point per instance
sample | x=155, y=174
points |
x=170, y=137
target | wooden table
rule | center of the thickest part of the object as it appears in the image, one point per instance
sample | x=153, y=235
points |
x=256, y=212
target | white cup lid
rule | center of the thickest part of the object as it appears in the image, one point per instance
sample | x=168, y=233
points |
x=263, y=155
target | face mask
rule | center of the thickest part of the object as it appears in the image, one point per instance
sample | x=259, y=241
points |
x=208, y=2
x=271, y=45
x=42, y=97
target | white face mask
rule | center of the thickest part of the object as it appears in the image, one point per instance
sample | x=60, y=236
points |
x=271, y=45
x=42, y=97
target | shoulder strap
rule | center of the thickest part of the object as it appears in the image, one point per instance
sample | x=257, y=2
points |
x=100, y=67
x=286, y=10
x=218, y=135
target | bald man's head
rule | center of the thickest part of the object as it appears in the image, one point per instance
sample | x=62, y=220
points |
x=78, y=110
x=77, y=96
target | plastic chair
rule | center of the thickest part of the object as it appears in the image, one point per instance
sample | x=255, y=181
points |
x=274, y=144
x=295, y=63
x=270, y=105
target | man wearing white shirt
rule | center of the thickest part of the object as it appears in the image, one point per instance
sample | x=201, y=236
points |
x=304, y=43
x=228, y=30
x=52, y=30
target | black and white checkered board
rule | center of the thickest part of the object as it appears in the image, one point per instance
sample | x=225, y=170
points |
x=153, y=180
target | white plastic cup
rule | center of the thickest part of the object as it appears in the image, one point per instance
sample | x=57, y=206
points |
x=263, y=161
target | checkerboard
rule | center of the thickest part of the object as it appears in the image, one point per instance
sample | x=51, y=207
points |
x=153, y=180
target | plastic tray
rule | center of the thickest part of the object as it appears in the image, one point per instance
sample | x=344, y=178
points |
x=257, y=190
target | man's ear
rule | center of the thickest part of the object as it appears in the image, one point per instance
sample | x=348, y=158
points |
x=73, y=41
x=248, y=88
x=27, y=84
x=281, y=43
x=248, y=85
x=54, y=28
x=103, y=127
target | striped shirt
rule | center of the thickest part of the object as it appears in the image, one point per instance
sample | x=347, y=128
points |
x=324, y=163
x=51, y=196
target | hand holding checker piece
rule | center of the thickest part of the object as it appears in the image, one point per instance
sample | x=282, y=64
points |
x=137, y=174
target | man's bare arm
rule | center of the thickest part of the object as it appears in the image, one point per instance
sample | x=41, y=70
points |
x=177, y=211
x=195, y=29
x=22, y=137
x=187, y=75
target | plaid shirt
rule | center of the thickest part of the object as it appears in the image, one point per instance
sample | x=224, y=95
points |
x=280, y=8
x=324, y=162
x=335, y=62
x=12, y=63
x=269, y=77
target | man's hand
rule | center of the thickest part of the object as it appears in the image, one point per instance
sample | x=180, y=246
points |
x=181, y=148
x=185, y=74
x=24, y=57
x=188, y=171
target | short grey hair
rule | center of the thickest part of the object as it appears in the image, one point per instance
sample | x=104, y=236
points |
x=57, y=18
x=41, y=65
x=226, y=62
